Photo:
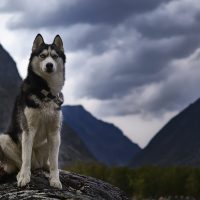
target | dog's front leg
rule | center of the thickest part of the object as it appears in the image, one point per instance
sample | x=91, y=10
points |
x=54, y=144
x=23, y=177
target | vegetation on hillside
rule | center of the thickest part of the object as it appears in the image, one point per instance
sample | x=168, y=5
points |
x=146, y=181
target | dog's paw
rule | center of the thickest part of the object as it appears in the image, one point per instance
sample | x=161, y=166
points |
x=55, y=182
x=23, y=178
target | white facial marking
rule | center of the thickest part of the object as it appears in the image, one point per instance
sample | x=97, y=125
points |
x=55, y=79
x=45, y=52
x=44, y=63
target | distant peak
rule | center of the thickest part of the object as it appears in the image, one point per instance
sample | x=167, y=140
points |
x=80, y=107
x=1, y=47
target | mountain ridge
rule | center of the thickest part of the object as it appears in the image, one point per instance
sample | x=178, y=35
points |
x=107, y=142
x=10, y=81
x=177, y=143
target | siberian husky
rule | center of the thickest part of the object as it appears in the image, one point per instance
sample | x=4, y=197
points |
x=33, y=138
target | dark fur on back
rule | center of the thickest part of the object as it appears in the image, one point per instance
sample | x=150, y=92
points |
x=33, y=84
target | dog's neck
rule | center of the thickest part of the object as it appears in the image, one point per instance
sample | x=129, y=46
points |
x=55, y=83
x=52, y=84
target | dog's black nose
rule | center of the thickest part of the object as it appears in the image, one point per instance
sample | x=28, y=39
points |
x=49, y=67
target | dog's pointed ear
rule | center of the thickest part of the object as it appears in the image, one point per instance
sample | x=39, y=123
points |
x=37, y=42
x=58, y=42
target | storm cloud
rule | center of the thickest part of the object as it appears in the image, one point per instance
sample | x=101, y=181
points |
x=66, y=13
x=130, y=55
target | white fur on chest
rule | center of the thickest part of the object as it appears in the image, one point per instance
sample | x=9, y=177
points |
x=42, y=120
x=48, y=110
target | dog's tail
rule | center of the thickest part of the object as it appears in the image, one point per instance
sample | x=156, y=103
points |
x=9, y=154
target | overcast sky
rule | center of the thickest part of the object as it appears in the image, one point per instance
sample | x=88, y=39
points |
x=132, y=63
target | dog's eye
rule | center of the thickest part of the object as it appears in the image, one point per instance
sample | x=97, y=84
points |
x=54, y=56
x=42, y=55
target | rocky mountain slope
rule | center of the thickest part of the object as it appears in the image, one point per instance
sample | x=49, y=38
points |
x=106, y=142
x=177, y=143
x=9, y=85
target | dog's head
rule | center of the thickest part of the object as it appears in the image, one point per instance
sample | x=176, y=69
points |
x=47, y=59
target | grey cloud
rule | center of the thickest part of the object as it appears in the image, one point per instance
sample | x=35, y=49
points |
x=84, y=11
x=175, y=18
x=141, y=38
x=94, y=38
x=169, y=95
x=166, y=29
x=9, y=6
x=152, y=58
x=175, y=94
x=150, y=64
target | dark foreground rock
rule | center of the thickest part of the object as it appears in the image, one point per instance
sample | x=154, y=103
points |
x=75, y=187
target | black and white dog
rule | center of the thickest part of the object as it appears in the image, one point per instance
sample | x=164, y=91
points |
x=33, y=137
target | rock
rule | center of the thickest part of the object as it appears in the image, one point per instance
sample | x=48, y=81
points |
x=75, y=186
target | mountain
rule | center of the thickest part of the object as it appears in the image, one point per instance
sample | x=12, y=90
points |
x=106, y=142
x=72, y=147
x=9, y=85
x=177, y=143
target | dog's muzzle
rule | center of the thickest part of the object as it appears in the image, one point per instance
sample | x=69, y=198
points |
x=49, y=67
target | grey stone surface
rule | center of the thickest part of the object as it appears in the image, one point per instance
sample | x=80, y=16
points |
x=75, y=187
